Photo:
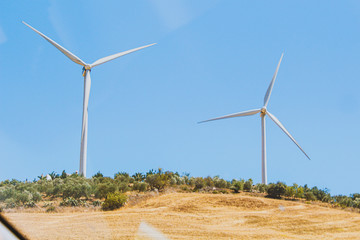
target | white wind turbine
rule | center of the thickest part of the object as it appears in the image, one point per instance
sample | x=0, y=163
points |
x=263, y=112
x=87, y=83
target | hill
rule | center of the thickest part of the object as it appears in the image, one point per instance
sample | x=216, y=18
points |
x=196, y=216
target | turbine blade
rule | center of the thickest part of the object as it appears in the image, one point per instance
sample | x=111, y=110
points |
x=240, y=114
x=63, y=50
x=112, y=57
x=285, y=131
x=269, y=90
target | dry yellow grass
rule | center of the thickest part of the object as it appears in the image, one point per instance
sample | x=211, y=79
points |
x=197, y=216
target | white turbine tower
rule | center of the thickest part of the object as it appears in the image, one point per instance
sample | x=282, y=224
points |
x=263, y=112
x=87, y=83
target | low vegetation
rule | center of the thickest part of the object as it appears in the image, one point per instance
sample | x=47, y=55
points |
x=106, y=193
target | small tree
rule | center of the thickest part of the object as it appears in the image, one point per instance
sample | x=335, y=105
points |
x=157, y=181
x=248, y=185
x=290, y=192
x=261, y=187
x=276, y=190
x=237, y=186
x=199, y=183
x=309, y=196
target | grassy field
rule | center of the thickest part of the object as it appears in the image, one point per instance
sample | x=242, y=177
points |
x=196, y=216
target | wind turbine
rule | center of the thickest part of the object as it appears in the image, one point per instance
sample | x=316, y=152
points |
x=263, y=112
x=87, y=83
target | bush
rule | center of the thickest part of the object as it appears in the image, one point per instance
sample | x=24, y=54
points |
x=96, y=203
x=71, y=202
x=98, y=175
x=51, y=208
x=157, y=181
x=290, y=192
x=76, y=188
x=199, y=183
x=10, y=203
x=23, y=197
x=140, y=186
x=261, y=187
x=309, y=196
x=237, y=186
x=248, y=185
x=123, y=187
x=320, y=194
x=36, y=196
x=103, y=189
x=114, y=201
x=276, y=190
x=30, y=204
x=123, y=177
x=220, y=183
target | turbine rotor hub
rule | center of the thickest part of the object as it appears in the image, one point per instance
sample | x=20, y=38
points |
x=263, y=110
x=86, y=68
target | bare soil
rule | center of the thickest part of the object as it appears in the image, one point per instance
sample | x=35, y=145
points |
x=196, y=216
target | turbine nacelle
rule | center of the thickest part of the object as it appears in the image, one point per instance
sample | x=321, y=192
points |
x=263, y=111
x=86, y=68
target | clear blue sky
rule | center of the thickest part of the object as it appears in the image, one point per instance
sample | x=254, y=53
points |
x=212, y=58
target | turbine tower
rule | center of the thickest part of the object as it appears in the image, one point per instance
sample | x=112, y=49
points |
x=263, y=112
x=87, y=83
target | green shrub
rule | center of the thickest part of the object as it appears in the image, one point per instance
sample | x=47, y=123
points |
x=123, y=177
x=7, y=192
x=276, y=190
x=98, y=175
x=76, y=188
x=123, y=187
x=23, y=197
x=114, y=201
x=290, y=192
x=51, y=208
x=299, y=192
x=10, y=203
x=185, y=188
x=157, y=181
x=103, y=189
x=72, y=202
x=321, y=195
x=96, y=203
x=30, y=204
x=237, y=186
x=208, y=181
x=199, y=183
x=261, y=187
x=140, y=186
x=220, y=183
x=309, y=196
x=248, y=185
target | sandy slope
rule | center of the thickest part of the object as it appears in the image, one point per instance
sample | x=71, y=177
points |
x=198, y=216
